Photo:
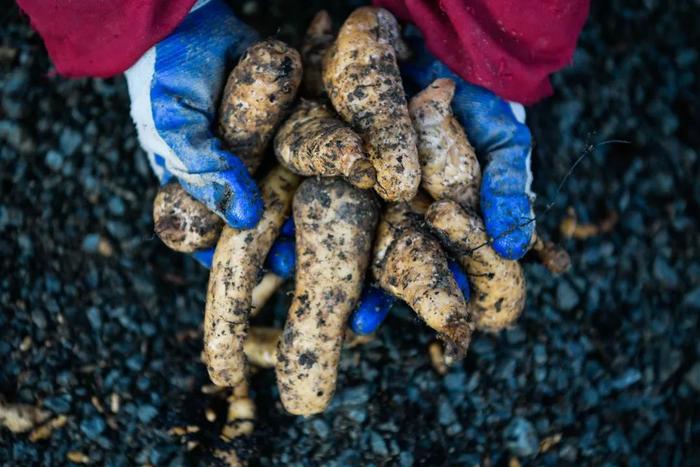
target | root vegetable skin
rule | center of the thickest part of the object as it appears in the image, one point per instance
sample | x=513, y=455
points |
x=410, y=264
x=183, y=223
x=362, y=79
x=262, y=292
x=258, y=94
x=450, y=169
x=261, y=346
x=319, y=37
x=335, y=223
x=313, y=142
x=237, y=262
x=498, y=284
x=240, y=416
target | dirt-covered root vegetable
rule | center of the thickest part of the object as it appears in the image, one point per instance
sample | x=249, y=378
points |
x=450, y=169
x=183, y=223
x=261, y=346
x=258, y=94
x=318, y=38
x=335, y=223
x=238, y=258
x=410, y=264
x=498, y=284
x=240, y=416
x=554, y=257
x=362, y=79
x=313, y=142
x=262, y=292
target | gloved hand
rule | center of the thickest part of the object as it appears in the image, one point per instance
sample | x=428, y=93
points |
x=496, y=128
x=175, y=89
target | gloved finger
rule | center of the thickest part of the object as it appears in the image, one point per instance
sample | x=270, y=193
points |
x=232, y=194
x=497, y=131
x=174, y=89
x=375, y=303
x=204, y=257
x=281, y=258
x=288, y=229
x=460, y=277
x=374, y=306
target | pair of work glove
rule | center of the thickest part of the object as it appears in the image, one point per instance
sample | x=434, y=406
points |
x=175, y=88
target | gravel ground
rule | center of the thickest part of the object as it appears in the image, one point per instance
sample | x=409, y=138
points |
x=101, y=323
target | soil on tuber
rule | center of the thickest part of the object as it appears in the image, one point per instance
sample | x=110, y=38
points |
x=449, y=167
x=410, y=264
x=183, y=223
x=259, y=93
x=237, y=262
x=498, y=284
x=313, y=142
x=335, y=224
x=362, y=79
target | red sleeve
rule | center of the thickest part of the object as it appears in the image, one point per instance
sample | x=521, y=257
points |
x=102, y=37
x=508, y=46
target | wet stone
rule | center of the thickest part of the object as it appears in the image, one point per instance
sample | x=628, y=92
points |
x=521, y=438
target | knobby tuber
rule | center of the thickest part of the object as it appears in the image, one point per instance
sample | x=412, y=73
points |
x=409, y=264
x=498, y=284
x=183, y=223
x=318, y=38
x=449, y=167
x=258, y=94
x=313, y=142
x=261, y=346
x=237, y=262
x=362, y=79
x=240, y=416
x=335, y=224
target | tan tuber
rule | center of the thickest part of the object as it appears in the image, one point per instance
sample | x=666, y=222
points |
x=237, y=262
x=410, y=264
x=335, y=225
x=362, y=79
x=258, y=94
x=314, y=142
x=319, y=37
x=449, y=167
x=183, y=223
x=498, y=284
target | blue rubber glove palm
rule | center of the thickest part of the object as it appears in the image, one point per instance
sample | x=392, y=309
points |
x=496, y=128
x=175, y=88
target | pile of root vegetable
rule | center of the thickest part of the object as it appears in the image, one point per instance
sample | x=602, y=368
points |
x=391, y=199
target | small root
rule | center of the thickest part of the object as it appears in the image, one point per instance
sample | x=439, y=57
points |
x=571, y=228
x=553, y=256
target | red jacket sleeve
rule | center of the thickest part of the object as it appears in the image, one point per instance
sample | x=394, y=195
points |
x=102, y=37
x=507, y=46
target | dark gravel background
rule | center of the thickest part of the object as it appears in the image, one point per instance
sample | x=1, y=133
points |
x=603, y=367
